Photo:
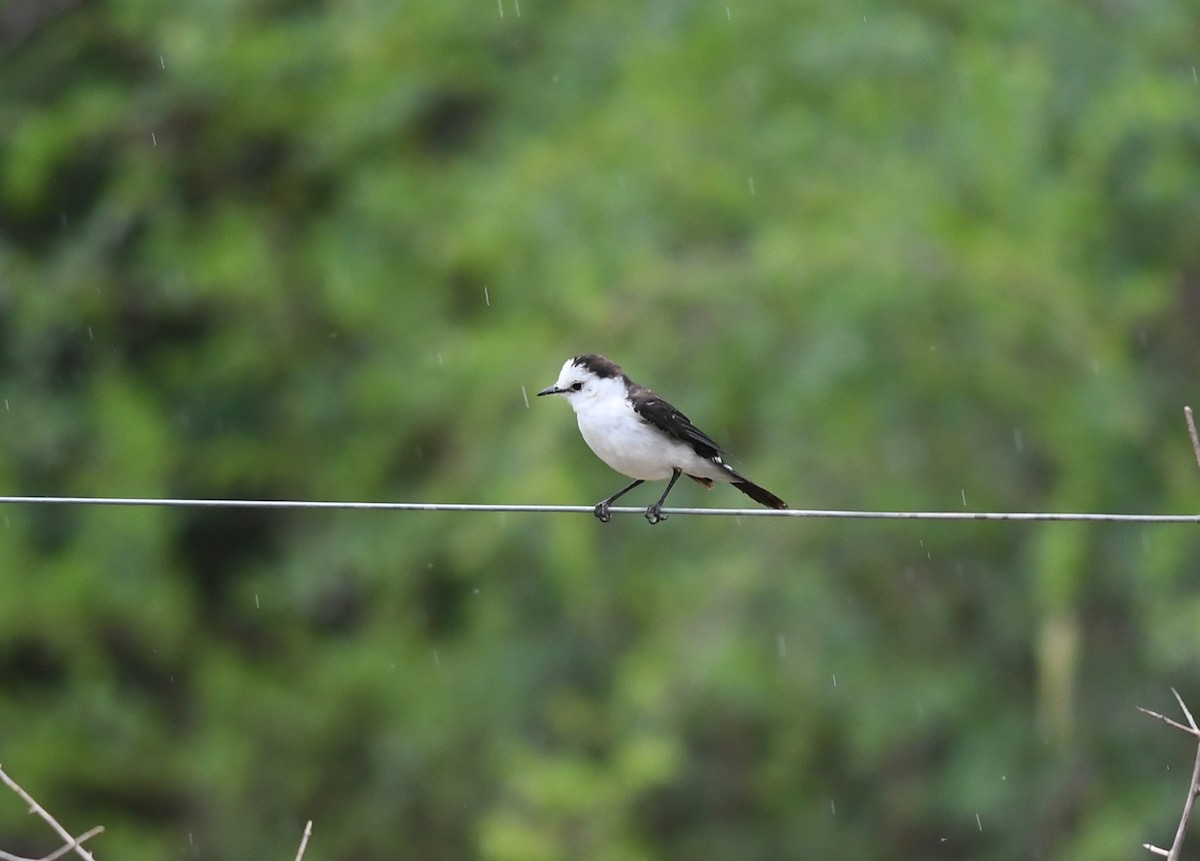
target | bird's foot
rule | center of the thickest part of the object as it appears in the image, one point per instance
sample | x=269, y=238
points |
x=655, y=514
x=601, y=512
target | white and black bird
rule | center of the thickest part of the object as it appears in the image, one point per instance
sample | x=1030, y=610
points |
x=641, y=435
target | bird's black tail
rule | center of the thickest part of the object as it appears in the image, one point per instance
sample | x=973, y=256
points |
x=759, y=494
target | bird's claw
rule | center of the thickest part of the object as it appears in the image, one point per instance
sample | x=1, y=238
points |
x=601, y=512
x=654, y=514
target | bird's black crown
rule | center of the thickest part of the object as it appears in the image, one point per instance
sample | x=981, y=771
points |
x=599, y=365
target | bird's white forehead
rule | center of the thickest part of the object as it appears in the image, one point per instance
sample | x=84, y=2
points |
x=572, y=373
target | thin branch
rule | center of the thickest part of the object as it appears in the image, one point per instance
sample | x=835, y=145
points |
x=1191, y=423
x=71, y=843
x=1190, y=729
x=304, y=840
x=62, y=850
x=1191, y=720
x=1193, y=730
x=1166, y=720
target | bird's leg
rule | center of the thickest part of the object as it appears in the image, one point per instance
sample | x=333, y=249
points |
x=601, y=510
x=654, y=512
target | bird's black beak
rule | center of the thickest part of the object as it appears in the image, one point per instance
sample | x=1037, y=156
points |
x=549, y=390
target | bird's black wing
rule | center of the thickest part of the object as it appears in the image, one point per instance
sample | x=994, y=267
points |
x=672, y=422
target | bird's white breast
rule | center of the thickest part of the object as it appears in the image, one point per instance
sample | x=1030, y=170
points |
x=632, y=446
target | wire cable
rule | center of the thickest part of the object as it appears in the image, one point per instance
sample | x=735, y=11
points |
x=155, y=502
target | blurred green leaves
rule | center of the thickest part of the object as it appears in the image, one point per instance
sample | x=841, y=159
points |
x=937, y=256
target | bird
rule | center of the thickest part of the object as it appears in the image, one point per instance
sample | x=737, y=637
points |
x=641, y=435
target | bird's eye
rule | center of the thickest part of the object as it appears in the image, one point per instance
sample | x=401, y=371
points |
x=576, y=386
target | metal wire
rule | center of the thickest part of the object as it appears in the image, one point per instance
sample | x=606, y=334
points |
x=588, y=509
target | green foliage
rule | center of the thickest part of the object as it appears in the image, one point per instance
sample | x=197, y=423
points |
x=925, y=256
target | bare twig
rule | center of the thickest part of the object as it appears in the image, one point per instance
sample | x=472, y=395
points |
x=1191, y=423
x=74, y=844
x=1193, y=730
x=304, y=840
x=60, y=851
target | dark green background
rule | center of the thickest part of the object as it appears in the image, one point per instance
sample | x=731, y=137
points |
x=928, y=255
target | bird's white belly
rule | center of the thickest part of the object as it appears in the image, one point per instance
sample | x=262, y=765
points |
x=639, y=450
